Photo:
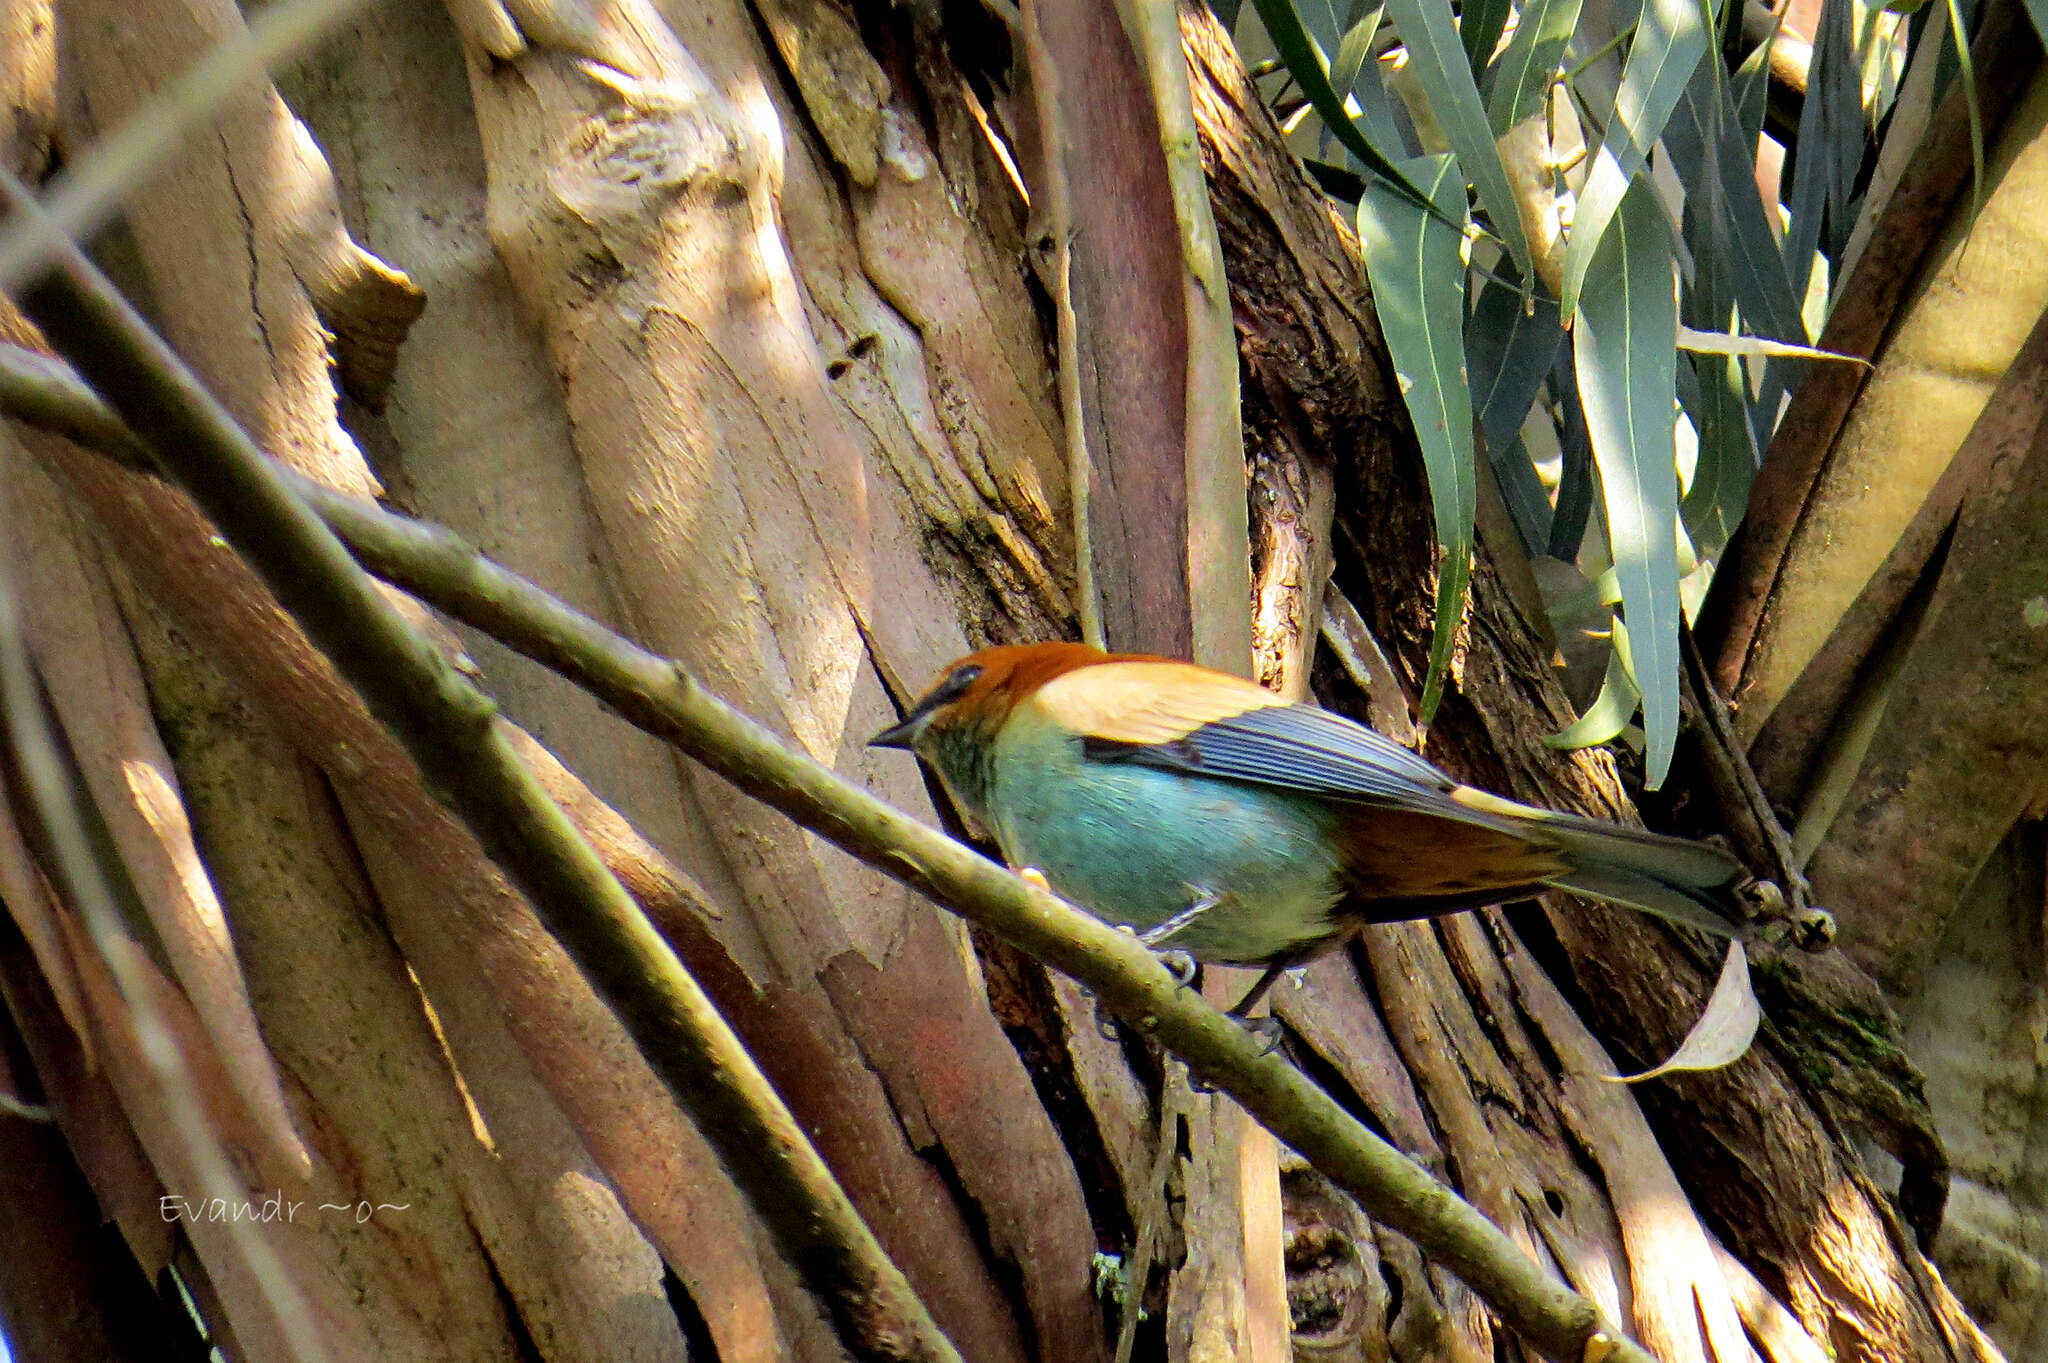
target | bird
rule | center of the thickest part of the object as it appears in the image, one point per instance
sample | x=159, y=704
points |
x=1222, y=823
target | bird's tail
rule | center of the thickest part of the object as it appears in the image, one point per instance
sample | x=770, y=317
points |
x=1686, y=882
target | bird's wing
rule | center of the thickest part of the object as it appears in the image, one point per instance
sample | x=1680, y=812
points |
x=1189, y=719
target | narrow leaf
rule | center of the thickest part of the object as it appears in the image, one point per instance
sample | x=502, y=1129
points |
x=1609, y=713
x=1751, y=86
x=1511, y=349
x=1830, y=146
x=1726, y=1027
x=1357, y=76
x=1523, y=75
x=1416, y=264
x=1670, y=38
x=1725, y=213
x=1354, y=50
x=1574, y=506
x=1323, y=20
x=1480, y=23
x=1721, y=343
x=1728, y=457
x=1431, y=35
x=1528, y=502
x=1628, y=319
x=1305, y=64
x=1967, y=69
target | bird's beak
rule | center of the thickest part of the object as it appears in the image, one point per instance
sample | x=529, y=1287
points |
x=903, y=735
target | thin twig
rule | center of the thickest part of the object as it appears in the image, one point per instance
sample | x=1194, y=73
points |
x=452, y=732
x=656, y=694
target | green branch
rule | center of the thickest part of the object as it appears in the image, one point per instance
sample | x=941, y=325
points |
x=463, y=750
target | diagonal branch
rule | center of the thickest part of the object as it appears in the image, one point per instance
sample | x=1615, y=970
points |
x=654, y=693
x=452, y=731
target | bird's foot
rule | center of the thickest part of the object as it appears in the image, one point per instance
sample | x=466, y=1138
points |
x=1178, y=964
x=1267, y=1031
x=1159, y=932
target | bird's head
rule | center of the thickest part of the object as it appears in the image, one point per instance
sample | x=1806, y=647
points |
x=976, y=694
x=954, y=724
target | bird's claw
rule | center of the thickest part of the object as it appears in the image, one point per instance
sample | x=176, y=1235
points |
x=1178, y=964
x=1267, y=1031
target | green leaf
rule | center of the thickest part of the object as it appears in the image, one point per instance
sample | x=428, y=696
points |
x=1830, y=145
x=1480, y=23
x=1670, y=38
x=1355, y=75
x=1623, y=344
x=1535, y=56
x=1354, y=50
x=1752, y=84
x=1717, y=402
x=1305, y=64
x=1725, y=214
x=1528, y=502
x=1431, y=36
x=1323, y=21
x=1610, y=711
x=1574, y=506
x=1967, y=67
x=1416, y=263
x=1511, y=349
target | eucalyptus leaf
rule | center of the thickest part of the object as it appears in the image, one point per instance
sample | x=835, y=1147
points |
x=1959, y=30
x=1480, y=24
x=1670, y=39
x=1511, y=349
x=1726, y=217
x=1527, y=500
x=1324, y=20
x=1728, y=455
x=1726, y=1027
x=1574, y=503
x=1721, y=343
x=1415, y=260
x=1305, y=64
x=1751, y=87
x=1354, y=50
x=1438, y=61
x=1356, y=76
x=1623, y=347
x=1534, y=58
x=1831, y=141
x=1609, y=713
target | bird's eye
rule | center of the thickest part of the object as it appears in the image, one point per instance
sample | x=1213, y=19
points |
x=956, y=685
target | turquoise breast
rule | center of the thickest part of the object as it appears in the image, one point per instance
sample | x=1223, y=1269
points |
x=1135, y=845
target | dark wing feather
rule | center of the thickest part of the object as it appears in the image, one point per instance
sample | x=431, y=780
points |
x=1297, y=747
